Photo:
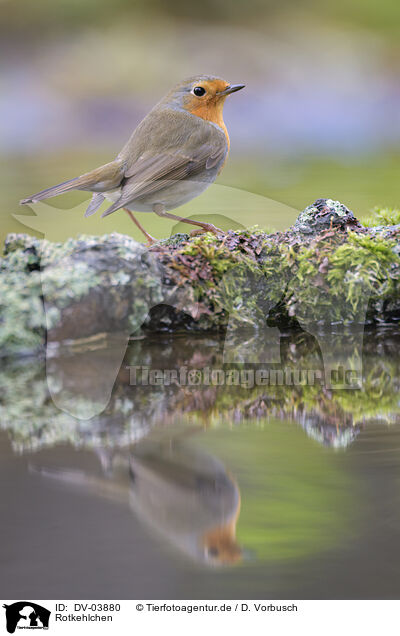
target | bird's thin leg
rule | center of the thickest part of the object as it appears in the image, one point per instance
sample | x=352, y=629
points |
x=158, y=208
x=150, y=239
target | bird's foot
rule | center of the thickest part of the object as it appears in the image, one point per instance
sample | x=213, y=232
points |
x=206, y=227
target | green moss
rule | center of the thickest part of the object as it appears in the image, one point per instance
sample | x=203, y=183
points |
x=241, y=276
x=333, y=282
x=382, y=216
x=327, y=278
x=369, y=269
x=221, y=278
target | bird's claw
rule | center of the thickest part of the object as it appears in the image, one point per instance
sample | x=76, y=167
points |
x=207, y=227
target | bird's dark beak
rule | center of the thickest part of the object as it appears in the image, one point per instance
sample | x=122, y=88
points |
x=231, y=89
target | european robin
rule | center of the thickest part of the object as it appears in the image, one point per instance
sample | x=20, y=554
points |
x=173, y=155
x=188, y=496
x=185, y=494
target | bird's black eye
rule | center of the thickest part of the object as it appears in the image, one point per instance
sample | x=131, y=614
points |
x=199, y=91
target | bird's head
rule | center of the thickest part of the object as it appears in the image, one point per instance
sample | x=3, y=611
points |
x=220, y=545
x=202, y=95
x=220, y=548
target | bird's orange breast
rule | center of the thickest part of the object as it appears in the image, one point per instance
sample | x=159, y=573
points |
x=209, y=111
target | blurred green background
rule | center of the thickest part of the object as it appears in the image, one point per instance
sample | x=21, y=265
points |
x=320, y=115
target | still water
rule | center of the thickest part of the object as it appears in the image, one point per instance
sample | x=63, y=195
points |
x=129, y=484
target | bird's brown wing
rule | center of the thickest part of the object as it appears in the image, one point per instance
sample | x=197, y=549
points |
x=151, y=174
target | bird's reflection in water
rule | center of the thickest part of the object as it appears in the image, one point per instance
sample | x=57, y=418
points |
x=189, y=496
x=181, y=492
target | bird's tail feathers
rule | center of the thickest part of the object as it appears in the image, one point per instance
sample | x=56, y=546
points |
x=102, y=179
x=95, y=203
x=54, y=191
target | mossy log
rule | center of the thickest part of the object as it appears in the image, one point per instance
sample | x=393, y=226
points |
x=327, y=269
